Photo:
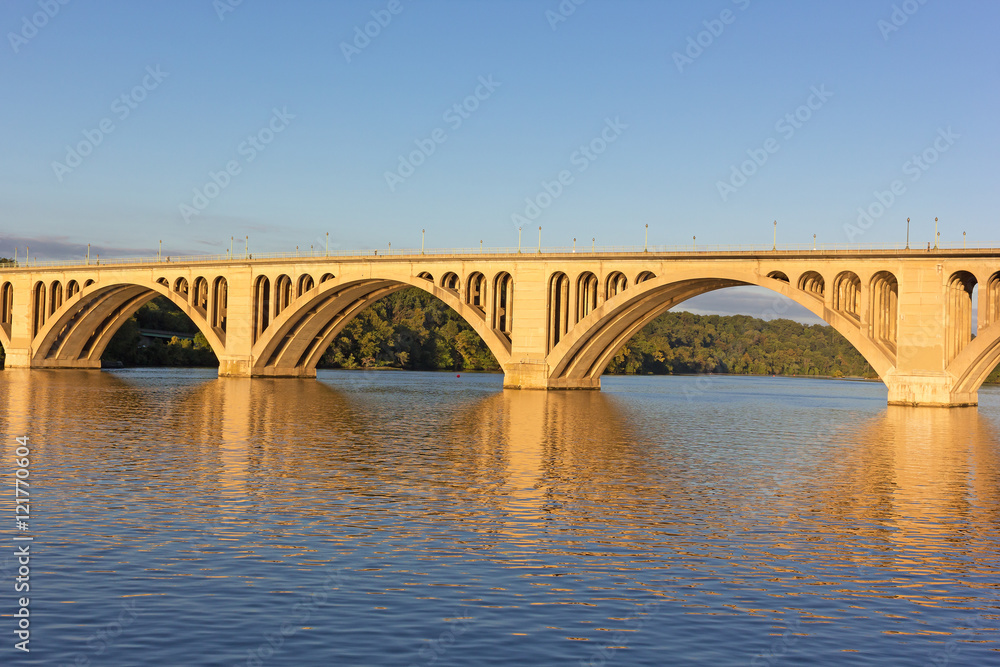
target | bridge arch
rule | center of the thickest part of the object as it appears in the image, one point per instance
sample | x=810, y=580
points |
x=294, y=342
x=585, y=352
x=973, y=365
x=79, y=332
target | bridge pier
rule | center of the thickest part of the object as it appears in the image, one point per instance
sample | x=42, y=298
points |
x=535, y=375
x=928, y=390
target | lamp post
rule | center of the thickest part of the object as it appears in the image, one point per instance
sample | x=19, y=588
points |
x=390, y=247
x=519, y=240
x=574, y=244
x=937, y=234
x=480, y=246
x=422, y=232
x=694, y=243
x=907, y=233
x=159, y=250
x=814, y=242
x=539, y=238
x=593, y=244
x=774, y=246
x=327, y=251
x=963, y=240
x=645, y=242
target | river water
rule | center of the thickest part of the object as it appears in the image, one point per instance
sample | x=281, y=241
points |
x=392, y=518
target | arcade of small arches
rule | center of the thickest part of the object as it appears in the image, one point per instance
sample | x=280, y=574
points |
x=571, y=321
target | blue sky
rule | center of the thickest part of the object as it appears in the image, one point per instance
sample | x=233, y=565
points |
x=874, y=83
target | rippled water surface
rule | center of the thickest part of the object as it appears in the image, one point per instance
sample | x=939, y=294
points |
x=414, y=519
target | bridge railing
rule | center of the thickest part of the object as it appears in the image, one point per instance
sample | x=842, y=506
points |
x=581, y=249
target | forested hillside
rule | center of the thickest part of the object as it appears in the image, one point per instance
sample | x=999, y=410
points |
x=413, y=330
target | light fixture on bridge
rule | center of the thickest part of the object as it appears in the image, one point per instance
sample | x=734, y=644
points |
x=519, y=240
x=937, y=234
x=774, y=246
x=327, y=251
x=539, y=238
x=645, y=242
x=907, y=233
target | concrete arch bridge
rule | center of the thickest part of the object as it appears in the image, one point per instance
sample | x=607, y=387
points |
x=554, y=320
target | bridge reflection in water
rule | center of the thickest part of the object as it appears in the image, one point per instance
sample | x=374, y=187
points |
x=611, y=500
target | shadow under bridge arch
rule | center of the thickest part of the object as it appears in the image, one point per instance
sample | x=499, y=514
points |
x=585, y=352
x=293, y=344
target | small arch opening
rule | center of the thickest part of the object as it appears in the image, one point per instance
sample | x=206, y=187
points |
x=847, y=294
x=304, y=284
x=586, y=294
x=883, y=307
x=558, y=320
x=813, y=283
x=779, y=275
x=615, y=284
x=475, y=294
x=451, y=281
x=503, y=311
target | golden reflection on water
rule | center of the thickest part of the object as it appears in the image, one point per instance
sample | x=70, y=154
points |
x=859, y=510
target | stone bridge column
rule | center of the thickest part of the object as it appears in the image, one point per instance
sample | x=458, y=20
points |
x=528, y=367
x=920, y=377
x=236, y=360
x=19, y=351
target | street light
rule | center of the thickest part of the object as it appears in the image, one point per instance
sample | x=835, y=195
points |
x=519, y=240
x=814, y=241
x=775, y=245
x=694, y=243
x=645, y=243
x=539, y=238
x=327, y=251
x=907, y=233
x=422, y=232
x=937, y=234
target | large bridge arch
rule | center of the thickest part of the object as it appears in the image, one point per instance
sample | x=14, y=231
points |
x=976, y=361
x=294, y=342
x=77, y=334
x=585, y=351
